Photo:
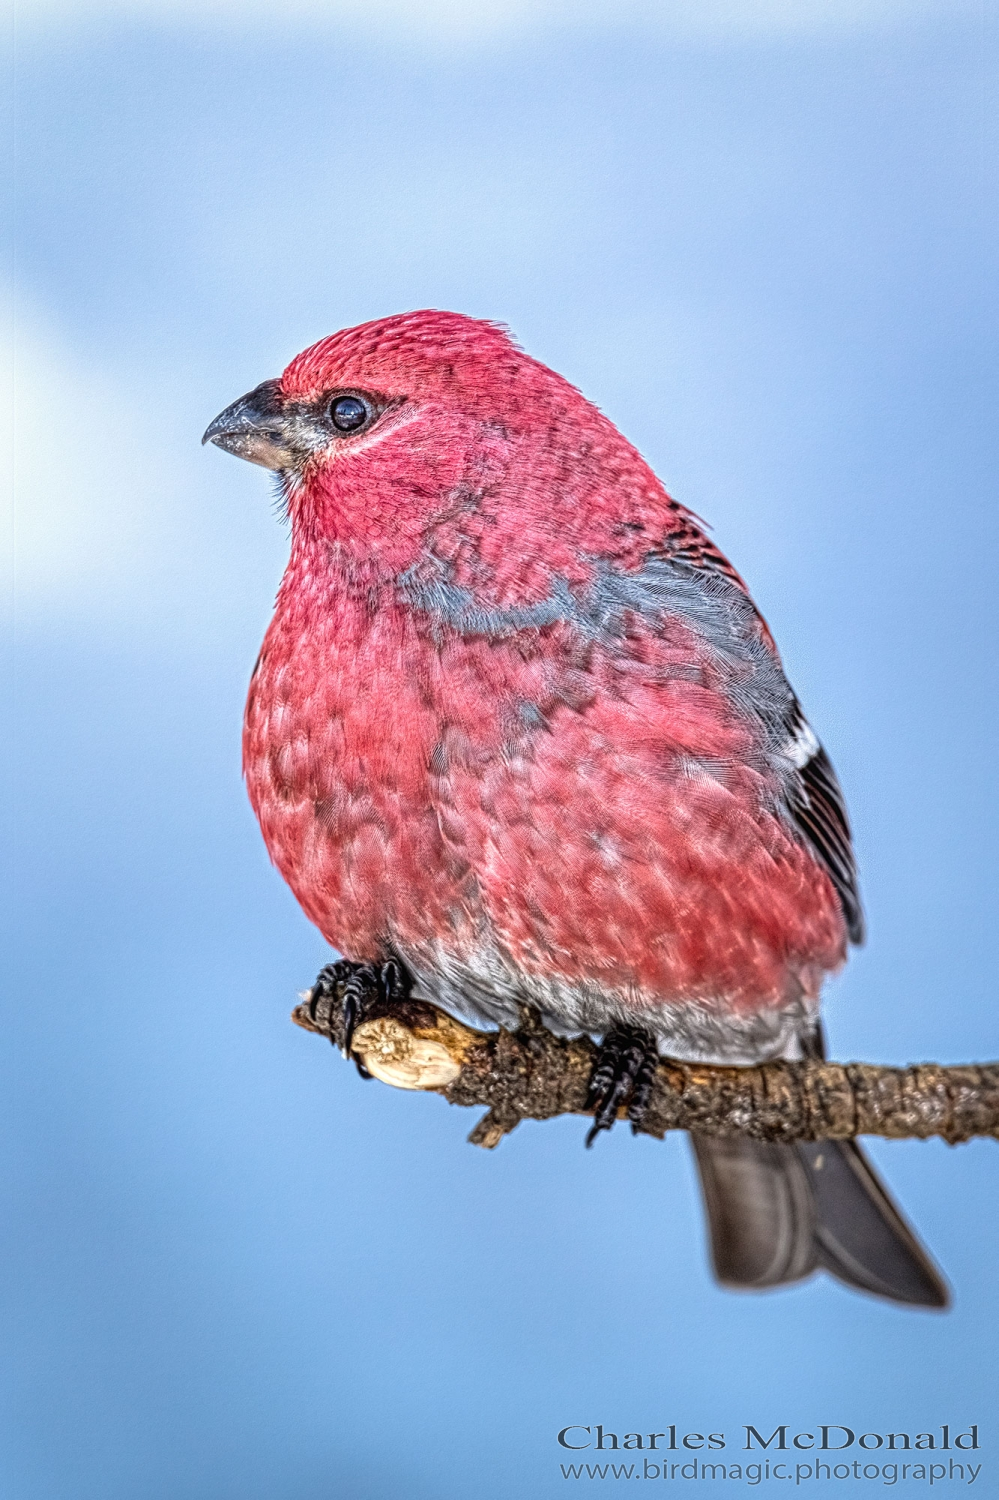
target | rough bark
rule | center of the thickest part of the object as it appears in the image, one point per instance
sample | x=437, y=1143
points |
x=532, y=1075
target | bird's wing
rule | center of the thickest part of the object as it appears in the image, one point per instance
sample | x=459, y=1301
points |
x=819, y=811
x=684, y=577
x=813, y=794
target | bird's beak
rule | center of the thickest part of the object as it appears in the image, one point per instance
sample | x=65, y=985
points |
x=256, y=428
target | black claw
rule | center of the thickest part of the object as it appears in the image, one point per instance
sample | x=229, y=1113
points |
x=350, y=1009
x=361, y=985
x=394, y=984
x=623, y=1074
x=641, y=1089
x=354, y=988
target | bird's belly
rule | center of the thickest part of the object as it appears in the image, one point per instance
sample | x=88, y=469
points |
x=486, y=989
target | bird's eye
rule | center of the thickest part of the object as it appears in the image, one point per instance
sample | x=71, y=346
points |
x=349, y=413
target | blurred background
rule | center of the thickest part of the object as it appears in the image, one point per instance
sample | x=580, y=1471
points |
x=761, y=234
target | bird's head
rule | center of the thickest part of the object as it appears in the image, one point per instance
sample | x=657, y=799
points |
x=428, y=423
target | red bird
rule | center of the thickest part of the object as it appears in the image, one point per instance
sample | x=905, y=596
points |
x=518, y=734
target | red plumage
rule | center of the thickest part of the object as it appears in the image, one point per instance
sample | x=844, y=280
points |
x=621, y=832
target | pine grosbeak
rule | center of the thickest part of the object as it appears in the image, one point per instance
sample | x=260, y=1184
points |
x=518, y=735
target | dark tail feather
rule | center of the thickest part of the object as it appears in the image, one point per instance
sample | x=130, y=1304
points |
x=776, y=1213
x=861, y=1236
x=760, y=1211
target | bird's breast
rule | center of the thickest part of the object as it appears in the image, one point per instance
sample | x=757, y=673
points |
x=591, y=811
x=339, y=746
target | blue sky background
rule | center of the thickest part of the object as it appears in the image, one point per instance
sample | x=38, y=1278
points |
x=762, y=237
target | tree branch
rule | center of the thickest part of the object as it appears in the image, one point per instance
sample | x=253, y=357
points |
x=532, y=1075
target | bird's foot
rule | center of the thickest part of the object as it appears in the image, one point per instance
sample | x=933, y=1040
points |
x=347, y=992
x=622, y=1074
